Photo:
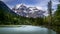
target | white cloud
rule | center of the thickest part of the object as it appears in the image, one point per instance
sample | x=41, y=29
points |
x=44, y=3
x=41, y=4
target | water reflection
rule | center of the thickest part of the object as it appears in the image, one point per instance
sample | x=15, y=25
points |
x=25, y=30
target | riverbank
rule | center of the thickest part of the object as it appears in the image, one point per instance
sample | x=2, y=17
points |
x=54, y=28
x=13, y=25
x=10, y=26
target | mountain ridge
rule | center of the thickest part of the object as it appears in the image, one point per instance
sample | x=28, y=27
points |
x=23, y=10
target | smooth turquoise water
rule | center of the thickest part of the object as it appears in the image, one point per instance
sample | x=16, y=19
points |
x=25, y=30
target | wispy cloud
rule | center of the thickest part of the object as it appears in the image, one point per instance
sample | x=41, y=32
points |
x=38, y=3
x=41, y=4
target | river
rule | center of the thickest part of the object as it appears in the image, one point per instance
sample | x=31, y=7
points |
x=27, y=29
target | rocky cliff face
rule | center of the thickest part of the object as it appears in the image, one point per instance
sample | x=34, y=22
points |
x=23, y=10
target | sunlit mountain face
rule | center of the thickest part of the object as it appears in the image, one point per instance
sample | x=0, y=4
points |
x=24, y=10
x=38, y=3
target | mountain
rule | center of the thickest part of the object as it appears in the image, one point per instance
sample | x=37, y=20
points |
x=5, y=8
x=26, y=11
x=15, y=16
x=6, y=14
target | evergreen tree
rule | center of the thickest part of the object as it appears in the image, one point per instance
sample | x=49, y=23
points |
x=50, y=11
x=57, y=15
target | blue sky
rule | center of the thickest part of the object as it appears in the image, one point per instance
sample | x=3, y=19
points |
x=42, y=4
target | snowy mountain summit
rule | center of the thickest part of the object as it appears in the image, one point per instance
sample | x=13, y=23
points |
x=24, y=10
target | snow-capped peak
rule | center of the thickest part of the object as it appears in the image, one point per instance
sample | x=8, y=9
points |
x=19, y=5
x=24, y=10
